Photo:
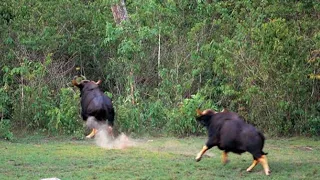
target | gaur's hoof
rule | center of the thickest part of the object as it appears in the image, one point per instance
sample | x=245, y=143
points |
x=268, y=173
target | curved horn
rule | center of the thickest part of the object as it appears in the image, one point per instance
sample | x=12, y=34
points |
x=98, y=82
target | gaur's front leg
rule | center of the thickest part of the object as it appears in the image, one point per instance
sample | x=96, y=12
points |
x=206, y=147
x=199, y=156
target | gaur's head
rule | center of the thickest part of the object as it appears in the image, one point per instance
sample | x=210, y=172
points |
x=86, y=84
x=205, y=116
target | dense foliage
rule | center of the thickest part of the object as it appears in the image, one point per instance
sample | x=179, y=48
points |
x=252, y=57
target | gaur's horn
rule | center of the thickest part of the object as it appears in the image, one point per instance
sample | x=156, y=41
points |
x=98, y=82
x=78, y=70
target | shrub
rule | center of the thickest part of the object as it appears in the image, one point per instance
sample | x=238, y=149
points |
x=314, y=126
x=64, y=118
x=181, y=120
x=5, y=129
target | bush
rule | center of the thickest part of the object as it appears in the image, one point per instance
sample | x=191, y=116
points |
x=64, y=118
x=5, y=129
x=181, y=120
x=129, y=119
x=314, y=125
x=252, y=57
x=155, y=117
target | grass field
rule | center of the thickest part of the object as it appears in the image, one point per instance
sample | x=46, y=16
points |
x=37, y=157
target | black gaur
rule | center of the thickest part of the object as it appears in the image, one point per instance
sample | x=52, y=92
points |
x=230, y=133
x=95, y=104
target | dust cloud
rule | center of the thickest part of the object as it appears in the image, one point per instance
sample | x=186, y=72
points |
x=105, y=140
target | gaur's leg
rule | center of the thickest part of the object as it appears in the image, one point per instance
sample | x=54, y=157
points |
x=92, y=134
x=110, y=121
x=199, y=155
x=110, y=131
x=264, y=162
x=91, y=123
x=254, y=163
x=208, y=145
x=259, y=157
x=224, y=157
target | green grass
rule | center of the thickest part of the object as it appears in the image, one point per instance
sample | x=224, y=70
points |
x=36, y=157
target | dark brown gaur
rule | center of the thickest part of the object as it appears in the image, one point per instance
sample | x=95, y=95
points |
x=94, y=103
x=230, y=133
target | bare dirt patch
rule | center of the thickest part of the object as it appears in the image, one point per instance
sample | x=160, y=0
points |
x=304, y=148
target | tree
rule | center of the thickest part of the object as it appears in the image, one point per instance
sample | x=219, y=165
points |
x=119, y=12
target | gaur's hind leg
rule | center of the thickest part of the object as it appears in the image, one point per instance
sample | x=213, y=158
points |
x=110, y=121
x=110, y=131
x=224, y=157
x=264, y=162
x=92, y=134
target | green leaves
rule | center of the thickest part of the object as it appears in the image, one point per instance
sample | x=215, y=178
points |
x=64, y=117
x=252, y=57
x=5, y=129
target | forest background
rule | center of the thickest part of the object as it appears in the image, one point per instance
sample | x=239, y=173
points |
x=258, y=58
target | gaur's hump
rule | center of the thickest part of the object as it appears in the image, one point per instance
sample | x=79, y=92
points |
x=228, y=116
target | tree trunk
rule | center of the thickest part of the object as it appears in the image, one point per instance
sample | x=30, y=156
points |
x=119, y=12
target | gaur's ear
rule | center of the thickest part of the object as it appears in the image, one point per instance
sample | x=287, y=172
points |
x=77, y=79
x=74, y=81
